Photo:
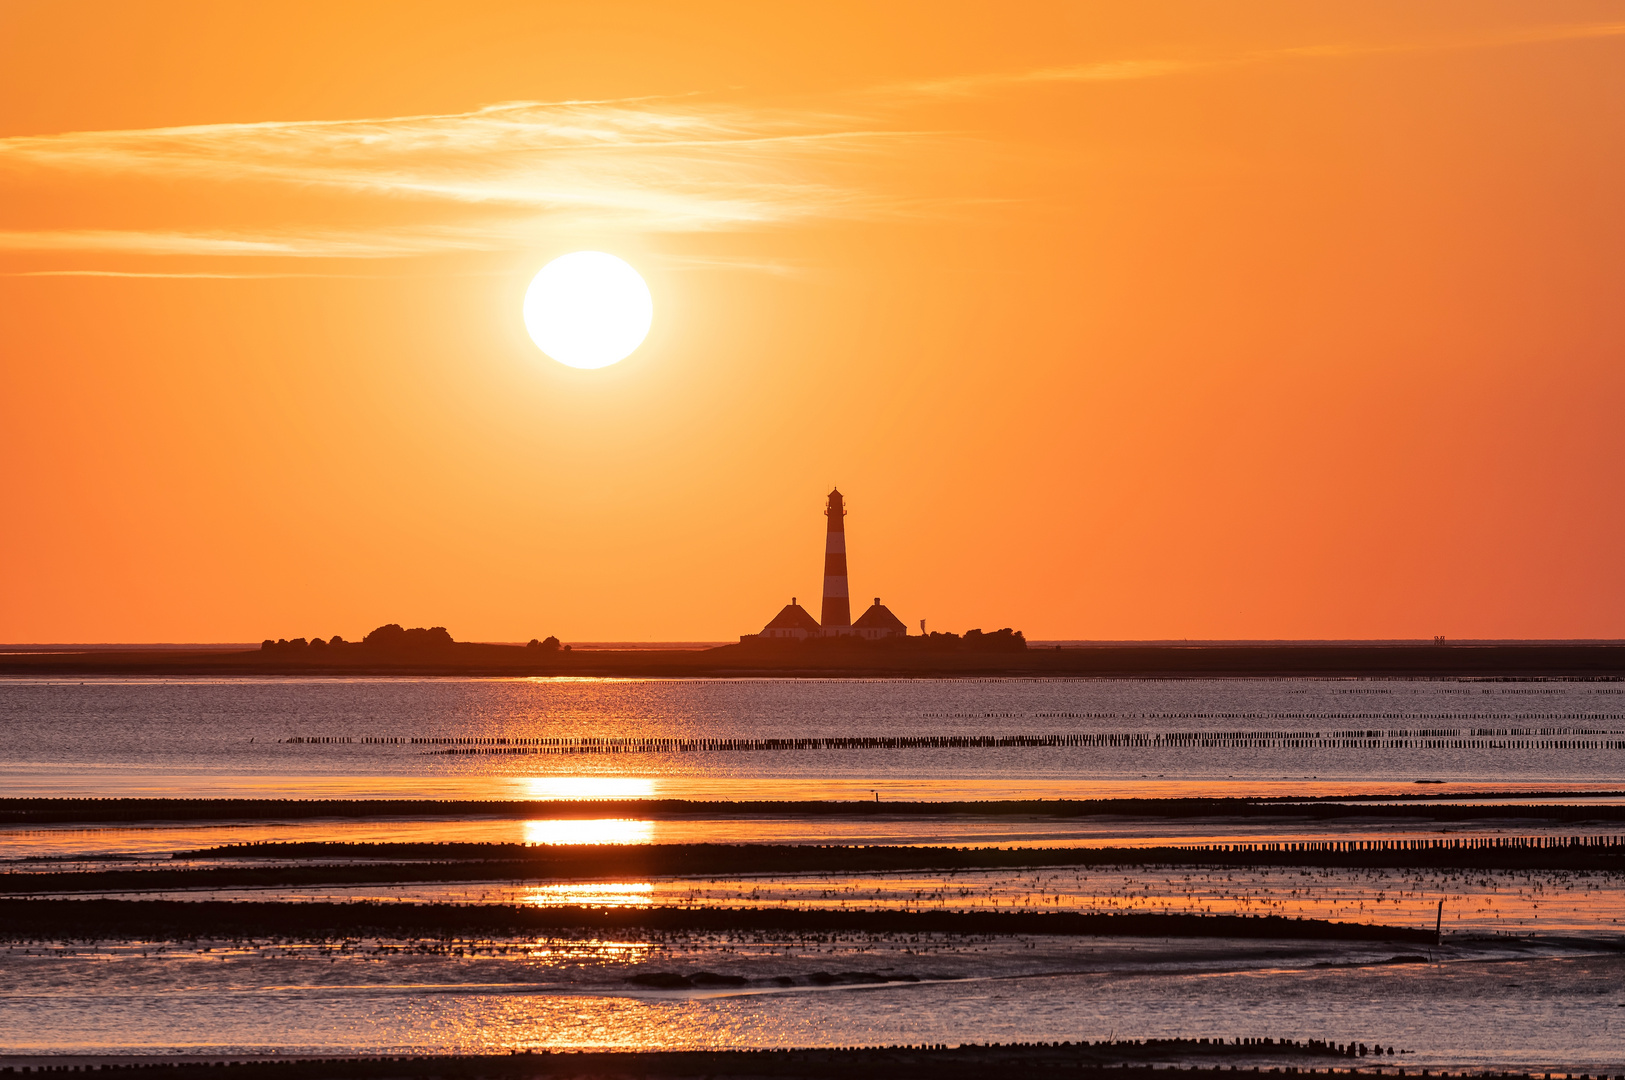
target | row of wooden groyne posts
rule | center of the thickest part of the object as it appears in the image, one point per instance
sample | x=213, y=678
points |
x=1401, y=716
x=1398, y=739
x=1602, y=844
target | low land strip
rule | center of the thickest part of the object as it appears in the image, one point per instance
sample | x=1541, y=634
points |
x=1117, y=1060
x=339, y=864
x=841, y=657
x=151, y=920
x=1554, y=806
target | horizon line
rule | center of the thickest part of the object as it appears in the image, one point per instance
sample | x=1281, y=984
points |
x=694, y=644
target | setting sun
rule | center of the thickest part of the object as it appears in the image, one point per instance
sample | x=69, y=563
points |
x=588, y=309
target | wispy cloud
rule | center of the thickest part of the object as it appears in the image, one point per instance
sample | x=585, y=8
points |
x=381, y=243
x=1126, y=70
x=490, y=179
x=200, y=275
x=1108, y=71
x=520, y=175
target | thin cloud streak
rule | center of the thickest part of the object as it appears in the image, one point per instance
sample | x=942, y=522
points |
x=1127, y=70
x=678, y=169
x=669, y=261
x=204, y=276
x=379, y=244
x=1113, y=71
x=521, y=175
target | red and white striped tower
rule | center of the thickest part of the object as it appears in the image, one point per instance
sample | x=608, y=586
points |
x=837, y=613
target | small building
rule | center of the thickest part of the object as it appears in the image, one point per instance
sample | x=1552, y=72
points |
x=879, y=622
x=794, y=621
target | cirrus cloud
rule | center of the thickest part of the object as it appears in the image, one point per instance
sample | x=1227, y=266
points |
x=493, y=178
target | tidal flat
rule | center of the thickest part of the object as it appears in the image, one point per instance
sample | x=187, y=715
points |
x=1485, y=1004
x=1254, y=863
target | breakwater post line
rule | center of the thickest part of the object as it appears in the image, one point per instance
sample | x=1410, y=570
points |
x=264, y=865
x=1500, y=738
x=1107, y=1059
x=1610, y=844
x=1525, y=806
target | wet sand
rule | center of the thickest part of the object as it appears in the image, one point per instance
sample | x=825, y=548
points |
x=1495, y=1003
x=1556, y=902
x=1105, y=1061
x=161, y=919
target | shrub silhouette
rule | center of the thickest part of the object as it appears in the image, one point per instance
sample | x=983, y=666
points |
x=549, y=644
x=394, y=638
x=284, y=645
x=1005, y=640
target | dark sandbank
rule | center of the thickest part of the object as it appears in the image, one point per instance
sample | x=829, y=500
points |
x=1118, y=1060
x=342, y=864
x=1424, y=806
x=103, y=920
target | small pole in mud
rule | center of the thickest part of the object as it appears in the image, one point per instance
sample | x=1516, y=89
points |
x=1438, y=925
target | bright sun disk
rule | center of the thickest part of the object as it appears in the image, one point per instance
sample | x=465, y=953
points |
x=588, y=309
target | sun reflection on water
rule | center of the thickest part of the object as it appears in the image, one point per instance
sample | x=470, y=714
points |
x=589, y=787
x=590, y=894
x=593, y=831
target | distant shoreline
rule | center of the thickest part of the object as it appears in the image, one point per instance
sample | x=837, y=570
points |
x=1467, y=805
x=1128, y=1059
x=835, y=660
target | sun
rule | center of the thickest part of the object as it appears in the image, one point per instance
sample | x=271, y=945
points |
x=588, y=309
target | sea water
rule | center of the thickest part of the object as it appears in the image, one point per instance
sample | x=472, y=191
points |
x=1493, y=996
x=306, y=738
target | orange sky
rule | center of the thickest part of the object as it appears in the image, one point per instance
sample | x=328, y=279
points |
x=1116, y=320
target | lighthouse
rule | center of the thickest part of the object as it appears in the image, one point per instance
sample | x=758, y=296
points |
x=837, y=613
x=796, y=622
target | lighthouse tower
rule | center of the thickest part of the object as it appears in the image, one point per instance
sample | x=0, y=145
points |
x=837, y=613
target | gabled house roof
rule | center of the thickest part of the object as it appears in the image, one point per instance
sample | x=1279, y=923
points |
x=793, y=617
x=879, y=617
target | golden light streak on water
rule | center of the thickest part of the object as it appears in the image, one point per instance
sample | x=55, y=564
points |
x=595, y=831
x=593, y=894
x=588, y=787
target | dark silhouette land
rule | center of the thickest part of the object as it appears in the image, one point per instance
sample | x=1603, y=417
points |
x=394, y=650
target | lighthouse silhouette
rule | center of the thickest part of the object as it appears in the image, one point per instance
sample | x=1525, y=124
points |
x=837, y=610
x=795, y=623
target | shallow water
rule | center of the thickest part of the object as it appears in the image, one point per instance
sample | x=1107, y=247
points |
x=1510, y=1002
x=198, y=737
x=1575, y=902
x=1522, y=1006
